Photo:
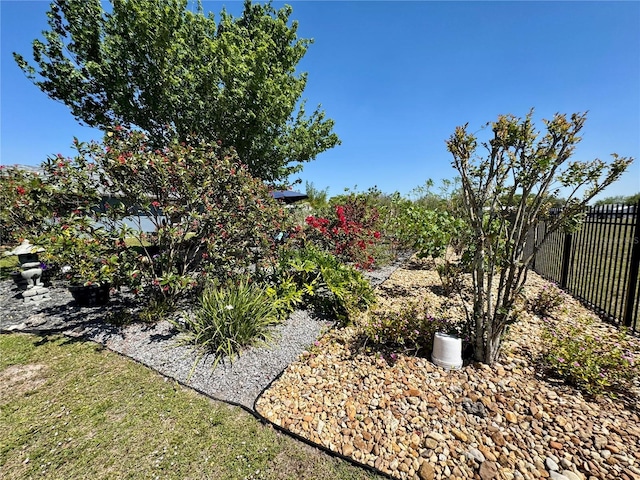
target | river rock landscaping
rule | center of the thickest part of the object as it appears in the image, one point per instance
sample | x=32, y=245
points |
x=410, y=419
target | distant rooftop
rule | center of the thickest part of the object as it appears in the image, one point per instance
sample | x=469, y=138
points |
x=26, y=168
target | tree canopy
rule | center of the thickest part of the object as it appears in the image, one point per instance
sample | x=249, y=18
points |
x=170, y=71
x=627, y=199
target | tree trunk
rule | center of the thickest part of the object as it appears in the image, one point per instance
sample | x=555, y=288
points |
x=487, y=347
x=479, y=331
x=492, y=350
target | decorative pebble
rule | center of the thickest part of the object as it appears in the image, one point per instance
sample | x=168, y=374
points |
x=476, y=455
x=551, y=464
x=571, y=475
x=530, y=429
x=556, y=475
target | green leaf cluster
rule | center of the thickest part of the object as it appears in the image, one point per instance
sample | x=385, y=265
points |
x=89, y=253
x=22, y=211
x=547, y=300
x=429, y=232
x=326, y=284
x=597, y=364
x=617, y=199
x=409, y=329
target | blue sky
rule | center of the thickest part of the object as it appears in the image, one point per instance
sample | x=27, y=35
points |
x=398, y=77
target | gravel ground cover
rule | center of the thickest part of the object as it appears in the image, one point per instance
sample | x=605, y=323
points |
x=407, y=417
x=411, y=419
x=156, y=345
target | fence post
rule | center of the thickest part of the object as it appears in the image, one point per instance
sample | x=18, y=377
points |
x=633, y=270
x=533, y=263
x=535, y=245
x=566, y=260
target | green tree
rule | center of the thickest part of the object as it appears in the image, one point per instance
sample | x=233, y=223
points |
x=446, y=199
x=317, y=198
x=619, y=199
x=505, y=194
x=158, y=66
x=552, y=202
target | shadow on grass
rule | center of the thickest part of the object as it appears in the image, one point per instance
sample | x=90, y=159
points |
x=61, y=340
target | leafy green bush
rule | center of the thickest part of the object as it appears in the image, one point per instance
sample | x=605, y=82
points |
x=285, y=294
x=595, y=364
x=548, y=299
x=8, y=265
x=428, y=232
x=31, y=201
x=90, y=253
x=316, y=199
x=325, y=282
x=230, y=317
x=16, y=214
x=193, y=209
x=410, y=330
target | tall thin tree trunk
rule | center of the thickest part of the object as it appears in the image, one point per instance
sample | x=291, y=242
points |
x=479, y=307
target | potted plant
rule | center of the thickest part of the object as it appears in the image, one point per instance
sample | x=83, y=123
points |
x=87, y=254
x=93, y=287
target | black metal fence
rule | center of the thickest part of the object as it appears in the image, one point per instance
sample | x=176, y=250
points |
x=598, y=264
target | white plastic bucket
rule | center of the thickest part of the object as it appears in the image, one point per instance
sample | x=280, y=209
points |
x=447, y=351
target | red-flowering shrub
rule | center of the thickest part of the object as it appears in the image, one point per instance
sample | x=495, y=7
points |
x=22, y=213
x=351, y=234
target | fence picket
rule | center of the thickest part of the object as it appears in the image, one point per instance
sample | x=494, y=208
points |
x=633, y=289
x=599, y=264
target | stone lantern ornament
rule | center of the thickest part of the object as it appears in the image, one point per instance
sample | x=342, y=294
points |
x=31, y=273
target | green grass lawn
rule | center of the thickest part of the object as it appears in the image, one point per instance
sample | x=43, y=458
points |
x=7, y=265
x=71, y=409
x=600, y=265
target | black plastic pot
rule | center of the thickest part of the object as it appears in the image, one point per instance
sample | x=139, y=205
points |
x=27, y=258
x=90, y=295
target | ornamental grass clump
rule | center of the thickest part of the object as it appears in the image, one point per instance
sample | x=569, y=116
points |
x=596, y=364
x=230, y=317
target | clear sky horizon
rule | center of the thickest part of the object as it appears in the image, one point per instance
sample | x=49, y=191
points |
x=398, y=77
